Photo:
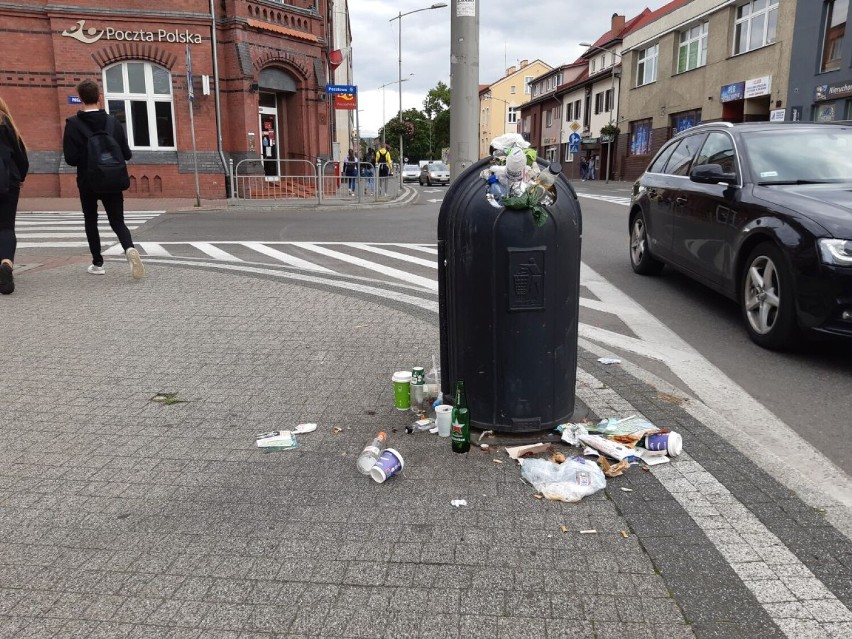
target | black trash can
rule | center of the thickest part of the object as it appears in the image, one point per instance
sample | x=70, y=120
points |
x=508, y=294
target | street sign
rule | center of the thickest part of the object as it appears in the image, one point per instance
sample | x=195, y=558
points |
x=345, y=101
x=349, y=89
x=574, y=137
x=574, y=147
x=574, y=127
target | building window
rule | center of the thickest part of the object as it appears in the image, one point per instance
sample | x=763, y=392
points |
x=599, y=102
x=693, y=48
x=848, y=115
x=609, y=105
x=835, y=29
x=685, y=120
x=139, y=95
x=512, y=90
x=569, y=111
x=577, y=109
x=640, y=137
x=569, y=155
x=549, y=118
x=592, y=65
x=527, y=121
x=527, y=80
x=646, y=68
x=512, y=117
x=756, y=24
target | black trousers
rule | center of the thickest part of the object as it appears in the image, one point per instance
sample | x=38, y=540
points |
x=8, y=209
x=114, y=207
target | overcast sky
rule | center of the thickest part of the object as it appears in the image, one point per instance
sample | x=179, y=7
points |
x=509, y=31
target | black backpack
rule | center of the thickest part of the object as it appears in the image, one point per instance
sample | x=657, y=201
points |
x=106, y=169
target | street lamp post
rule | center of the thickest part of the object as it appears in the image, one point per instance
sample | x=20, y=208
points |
x=613, y=104
x=437, y=5
x=383, y=102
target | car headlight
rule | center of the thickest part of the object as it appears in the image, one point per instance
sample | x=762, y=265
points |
x=835, y=252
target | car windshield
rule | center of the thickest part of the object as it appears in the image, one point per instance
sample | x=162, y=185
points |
x=800, y=156
x=411, y=167
x=438, y=167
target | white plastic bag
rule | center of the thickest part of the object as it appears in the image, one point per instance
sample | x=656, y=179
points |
x=571, y=480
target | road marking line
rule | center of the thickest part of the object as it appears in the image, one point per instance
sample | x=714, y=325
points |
x=287, y=259
x=427, y=283
x=153, y=249
x=399, y=256
x=214, y=252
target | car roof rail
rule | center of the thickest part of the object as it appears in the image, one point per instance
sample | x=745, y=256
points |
x=705, y=124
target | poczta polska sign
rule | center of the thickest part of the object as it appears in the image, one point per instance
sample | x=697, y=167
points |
x=90, y=35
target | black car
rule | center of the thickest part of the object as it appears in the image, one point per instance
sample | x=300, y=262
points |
x=759, y=212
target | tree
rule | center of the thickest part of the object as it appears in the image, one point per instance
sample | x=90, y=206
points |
x=436, y=107
x=424, y=133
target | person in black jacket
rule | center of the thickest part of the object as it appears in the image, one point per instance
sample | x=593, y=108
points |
x=75, y=148
x=15, y=153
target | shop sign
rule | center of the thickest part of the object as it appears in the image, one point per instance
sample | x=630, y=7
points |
x=74, y=99
x=731, y=92
x=90, y=35
x=758, y=86
x=590, y=140
x=826, y=112
x=777, y=115
x=345, y=101
x=832, y=91
x=795, y=114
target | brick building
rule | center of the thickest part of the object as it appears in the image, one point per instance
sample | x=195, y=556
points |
x=271, y=60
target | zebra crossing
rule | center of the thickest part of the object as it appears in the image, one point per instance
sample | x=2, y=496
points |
x=612, y=199
x=61, y=229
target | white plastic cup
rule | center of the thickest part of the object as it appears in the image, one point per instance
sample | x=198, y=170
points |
x=670, y=442
x=389, y=464
x=443, y=417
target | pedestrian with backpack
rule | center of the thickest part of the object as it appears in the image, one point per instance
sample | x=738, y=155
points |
x=383, y=167
x=14, y=165
x=350, y=170
x=95, y=142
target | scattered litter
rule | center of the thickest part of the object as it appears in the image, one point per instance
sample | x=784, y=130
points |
x=570, y=481
x=625, y=431
x=390, y=463
x=668, y=441
x=167, y=399
x=613, y=470
x=484, y=447
x=558, y=458
x=497, y=461
x=305, y=428
x=589, y=532
x=626, y=489
x=606, y=361
x=624, y=534
x=458, y=503
x=485, y=433
x=337, y=429
x=371, y=452
x=538, y=496
x=421, y=425
x=516, y=452
x=672, y=399
x=646, y=469
x=563, y=528
x=275, y=441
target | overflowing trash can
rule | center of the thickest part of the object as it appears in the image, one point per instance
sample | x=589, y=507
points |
x=508, y=287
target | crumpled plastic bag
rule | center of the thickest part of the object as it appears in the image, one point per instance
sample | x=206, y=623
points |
x=529, y=199
x=571, y=480
x=503, y=143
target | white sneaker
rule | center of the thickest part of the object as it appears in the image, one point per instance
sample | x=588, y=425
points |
x=137, y=270
x=96, y=270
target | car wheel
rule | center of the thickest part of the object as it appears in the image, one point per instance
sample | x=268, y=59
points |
x=641, y=259
x=768, y=302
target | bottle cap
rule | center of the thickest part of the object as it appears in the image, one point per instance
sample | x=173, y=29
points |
x=555, y=167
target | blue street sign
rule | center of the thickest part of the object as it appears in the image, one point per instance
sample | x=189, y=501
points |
x=574, y=147
x=74, y=99
x=574, y=138
x=349, y=89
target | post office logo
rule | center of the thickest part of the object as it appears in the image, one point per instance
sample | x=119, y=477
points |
x=91, y=35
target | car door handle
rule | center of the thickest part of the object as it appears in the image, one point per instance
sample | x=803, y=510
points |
x=680, y=201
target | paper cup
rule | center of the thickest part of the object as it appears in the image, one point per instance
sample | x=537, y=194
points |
x=401, y=388
x=443, y=417
x=386, y=466
x=670, y=442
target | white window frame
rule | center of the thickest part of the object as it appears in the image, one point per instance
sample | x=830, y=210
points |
x=689, y=38
x=646, y=65
x=149, y=97
x=549, y=118
x=527, y=80
x=748, y=18
x=512, y=90
x=569, y=157
x=512, y=114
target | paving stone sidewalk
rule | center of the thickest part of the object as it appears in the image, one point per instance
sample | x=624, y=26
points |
x=124, y=517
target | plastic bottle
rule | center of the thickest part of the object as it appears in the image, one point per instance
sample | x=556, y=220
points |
x=547, y=181
x=495, y=189
x=516, y=162
x=371, y=452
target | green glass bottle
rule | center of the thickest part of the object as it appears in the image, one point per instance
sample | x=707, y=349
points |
x=460, y=434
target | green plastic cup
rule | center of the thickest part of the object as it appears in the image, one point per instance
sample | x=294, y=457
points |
x=401, y=384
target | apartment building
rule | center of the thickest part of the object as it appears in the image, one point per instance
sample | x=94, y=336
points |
x=500, y=102
x=698, y=61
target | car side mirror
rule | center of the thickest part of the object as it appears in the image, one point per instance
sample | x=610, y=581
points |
x=711, y=174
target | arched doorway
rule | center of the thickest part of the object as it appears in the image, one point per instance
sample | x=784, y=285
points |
x=276, y=90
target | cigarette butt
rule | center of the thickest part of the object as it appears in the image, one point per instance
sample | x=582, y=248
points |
x=497, y=461
x=627, y=490
x=588, y=532
x=337, y=429
x=563, y=528
x=538, y=496
x=625, y=534
x=646, y=469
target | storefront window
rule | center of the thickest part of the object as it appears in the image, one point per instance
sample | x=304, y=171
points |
x=835, y=28
x=640, y=137
x=139, y=94
x=684, y=120
x=756, y=26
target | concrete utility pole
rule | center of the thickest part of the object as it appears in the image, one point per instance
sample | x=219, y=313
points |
x=464, y=85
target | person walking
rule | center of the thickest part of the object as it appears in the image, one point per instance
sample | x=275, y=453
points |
x=79, y=130
x=13, y=159
x=593, y=166
x=367, y=171
x=350, y=170
x=383, y=166
x=584, y=168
